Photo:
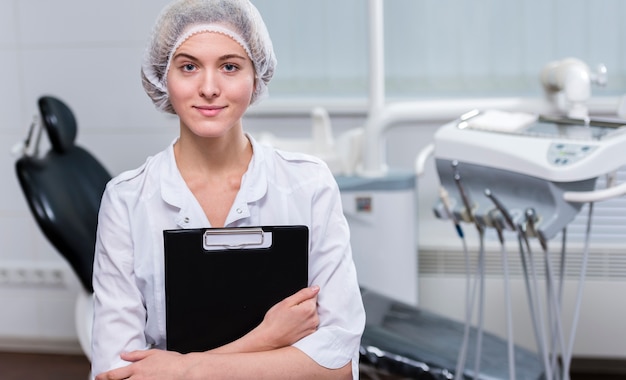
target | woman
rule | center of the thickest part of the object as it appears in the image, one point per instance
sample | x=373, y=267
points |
x=207, y=61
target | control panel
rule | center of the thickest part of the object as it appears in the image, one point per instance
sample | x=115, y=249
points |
x=563, y=154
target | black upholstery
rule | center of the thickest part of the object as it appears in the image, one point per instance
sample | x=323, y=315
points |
x=63, y=189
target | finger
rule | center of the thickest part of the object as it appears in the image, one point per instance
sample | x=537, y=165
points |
x=135, y=356
x=307, y=308
x=303, y=295
x=116, y=374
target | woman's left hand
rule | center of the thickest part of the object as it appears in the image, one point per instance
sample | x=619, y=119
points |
x=149, y=364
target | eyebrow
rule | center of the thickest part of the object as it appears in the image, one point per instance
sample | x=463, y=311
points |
x=222, y=58
x=232, y=56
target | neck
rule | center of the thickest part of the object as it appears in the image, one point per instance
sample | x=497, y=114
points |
x=215, y=155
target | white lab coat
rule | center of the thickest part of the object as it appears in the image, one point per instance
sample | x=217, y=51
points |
x=278, y=188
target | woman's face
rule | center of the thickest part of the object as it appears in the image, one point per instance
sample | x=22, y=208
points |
x=210, y=84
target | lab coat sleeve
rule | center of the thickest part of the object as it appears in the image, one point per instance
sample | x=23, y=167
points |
x=119, y=309
x=340, y=307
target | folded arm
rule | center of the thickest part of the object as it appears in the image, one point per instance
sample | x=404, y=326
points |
x=263, y=353
x=282, y=363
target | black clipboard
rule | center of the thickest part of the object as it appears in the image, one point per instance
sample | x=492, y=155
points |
x=220, y=282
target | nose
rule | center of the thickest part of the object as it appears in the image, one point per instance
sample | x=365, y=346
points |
x=209, y=85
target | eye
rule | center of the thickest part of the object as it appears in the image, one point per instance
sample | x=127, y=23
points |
x=230, y=68
x=188, y=67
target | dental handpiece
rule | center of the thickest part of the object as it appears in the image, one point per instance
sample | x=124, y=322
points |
x=494, y=215
x=464, y=197
x=505, y=213
x=531, y=219
x=445, y=200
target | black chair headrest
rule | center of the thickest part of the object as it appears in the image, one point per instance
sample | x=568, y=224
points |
x=59, y=121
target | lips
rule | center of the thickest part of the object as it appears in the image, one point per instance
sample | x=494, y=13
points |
x=210, y=111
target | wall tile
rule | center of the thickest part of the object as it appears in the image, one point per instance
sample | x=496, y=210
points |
x=102, y=86
x=17, y=238
x=20, y=315
x=10, y=91
x=56, y=314
x=47, y=22
x=135, y=144
x=12, y=199
x=7, y=23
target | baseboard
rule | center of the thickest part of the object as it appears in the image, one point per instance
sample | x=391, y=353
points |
x=605, y=366
x=47, y=346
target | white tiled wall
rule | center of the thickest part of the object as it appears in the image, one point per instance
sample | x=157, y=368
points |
x=88, y=54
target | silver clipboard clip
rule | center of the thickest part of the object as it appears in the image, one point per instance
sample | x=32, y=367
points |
x=236, y=238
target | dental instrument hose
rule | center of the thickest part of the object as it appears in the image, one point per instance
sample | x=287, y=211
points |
x=481, y=302
x=480, y=279
x=567, y=359
x=470, y=302
x=501, y=216
x=536, y=315
x=469, y=311
x=509, y=310
x=555, y=316
x=559, y=302
x=555, y=326
x=469, y=297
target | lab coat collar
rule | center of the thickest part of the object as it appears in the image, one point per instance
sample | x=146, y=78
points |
x=255, y=179
x=175, y=192
x=253, y=187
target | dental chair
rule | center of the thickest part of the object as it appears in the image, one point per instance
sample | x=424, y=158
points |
x=63, y=189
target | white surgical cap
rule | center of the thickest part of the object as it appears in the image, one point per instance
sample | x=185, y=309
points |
x=238, y=19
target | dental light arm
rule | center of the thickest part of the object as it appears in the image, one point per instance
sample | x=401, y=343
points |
x=567, y=84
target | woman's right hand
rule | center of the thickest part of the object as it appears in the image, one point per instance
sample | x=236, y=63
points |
x=291, y=319
x=284, y=324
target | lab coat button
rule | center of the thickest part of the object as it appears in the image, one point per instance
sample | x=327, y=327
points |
x=239, y=211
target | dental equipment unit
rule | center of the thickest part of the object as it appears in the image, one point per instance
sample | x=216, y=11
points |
x=546, y=163
x=530, y=175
